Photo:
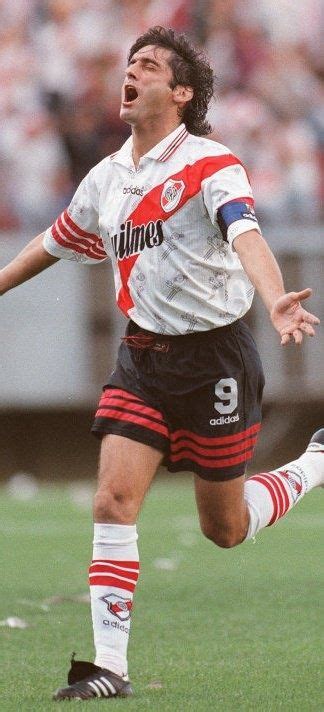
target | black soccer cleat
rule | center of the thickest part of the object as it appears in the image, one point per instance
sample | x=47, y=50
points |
x=87, y=681
x=316, y=443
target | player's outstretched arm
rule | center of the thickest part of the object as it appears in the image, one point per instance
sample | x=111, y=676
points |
x=288, y=316
x=29, y=262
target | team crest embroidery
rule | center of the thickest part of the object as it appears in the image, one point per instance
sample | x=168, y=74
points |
x=171, y=194
x=118, y=606
x=294, y=481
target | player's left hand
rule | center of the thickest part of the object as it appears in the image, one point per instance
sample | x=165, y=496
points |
x=290, y=319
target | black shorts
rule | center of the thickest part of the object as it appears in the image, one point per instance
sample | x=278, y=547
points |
x=196, y=398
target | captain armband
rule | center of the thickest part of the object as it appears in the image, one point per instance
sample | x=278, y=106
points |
x=234, y=211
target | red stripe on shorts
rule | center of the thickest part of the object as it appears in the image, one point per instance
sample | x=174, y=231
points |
x=109, y=399
x=208, y=462
x=132, y=418
x=122, y=405
x=112, y=392
x=186, y=444
x=222, y=440
x=214, y=452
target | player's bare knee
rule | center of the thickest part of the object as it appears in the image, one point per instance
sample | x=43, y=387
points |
x=229, y=539
x=225, y=537
x=113, y=505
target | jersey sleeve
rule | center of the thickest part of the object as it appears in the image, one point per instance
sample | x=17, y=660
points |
x=75, y=234
x=228, y=198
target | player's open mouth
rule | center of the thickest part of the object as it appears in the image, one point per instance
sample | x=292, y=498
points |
x=130, y=94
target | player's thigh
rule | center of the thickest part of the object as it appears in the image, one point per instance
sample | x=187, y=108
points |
x=222, y=510
x=126, y=470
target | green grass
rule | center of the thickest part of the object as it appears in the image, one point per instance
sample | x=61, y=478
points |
x=224, y=630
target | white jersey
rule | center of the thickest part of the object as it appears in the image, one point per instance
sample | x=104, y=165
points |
x=168, y=228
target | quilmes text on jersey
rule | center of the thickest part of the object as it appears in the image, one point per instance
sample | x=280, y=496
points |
x=132, y=239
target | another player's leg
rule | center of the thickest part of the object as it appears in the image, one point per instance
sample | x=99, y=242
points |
x=126, y=470
x=235, y=510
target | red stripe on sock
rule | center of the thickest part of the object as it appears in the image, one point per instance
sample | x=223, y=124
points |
x=278, y=492
x=128, y=564
x=265, y=483
x=281, y=483
x=277, y=489
x=104, y=568
x=113, y=582
x=284, y=500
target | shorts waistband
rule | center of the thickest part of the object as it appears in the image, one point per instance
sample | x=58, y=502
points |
x=137, y=337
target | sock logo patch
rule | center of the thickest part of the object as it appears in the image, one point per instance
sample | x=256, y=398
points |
x=294, y=481
x=118, y=606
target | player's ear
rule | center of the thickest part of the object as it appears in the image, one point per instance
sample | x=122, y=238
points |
x=182, y=94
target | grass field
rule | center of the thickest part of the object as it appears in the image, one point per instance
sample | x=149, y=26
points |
x=213, y=630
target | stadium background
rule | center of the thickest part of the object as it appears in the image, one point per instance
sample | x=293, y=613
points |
x=61, y=67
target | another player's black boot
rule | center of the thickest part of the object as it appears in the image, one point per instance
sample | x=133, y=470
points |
x=87, y=681
x=316, y=442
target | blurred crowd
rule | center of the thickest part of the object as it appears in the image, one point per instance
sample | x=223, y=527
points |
x=62, y=65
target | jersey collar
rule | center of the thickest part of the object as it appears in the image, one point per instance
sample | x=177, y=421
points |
x=161, y=152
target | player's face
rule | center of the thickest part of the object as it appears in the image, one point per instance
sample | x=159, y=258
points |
x=146, y=91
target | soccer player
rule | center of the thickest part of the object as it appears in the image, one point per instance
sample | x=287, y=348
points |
x=174, y=212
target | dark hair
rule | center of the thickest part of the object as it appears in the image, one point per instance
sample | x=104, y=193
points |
x=189, y=67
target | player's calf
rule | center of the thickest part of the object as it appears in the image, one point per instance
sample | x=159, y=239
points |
x=222, y=510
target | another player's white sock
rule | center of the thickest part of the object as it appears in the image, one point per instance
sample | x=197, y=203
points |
x=113, y=576
x=270, y=495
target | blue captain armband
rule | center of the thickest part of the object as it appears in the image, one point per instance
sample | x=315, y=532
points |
x=232, y=212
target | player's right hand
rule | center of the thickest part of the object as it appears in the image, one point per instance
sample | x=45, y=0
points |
x=291, y=320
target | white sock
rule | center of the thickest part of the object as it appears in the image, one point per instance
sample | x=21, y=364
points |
x=270, y=495
x=113, y=576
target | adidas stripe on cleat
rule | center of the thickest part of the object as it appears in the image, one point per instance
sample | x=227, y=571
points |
x=87, y=681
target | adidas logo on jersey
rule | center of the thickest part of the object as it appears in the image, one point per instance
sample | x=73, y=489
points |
x=133, y=190
x=224, y=420
x=133, y=239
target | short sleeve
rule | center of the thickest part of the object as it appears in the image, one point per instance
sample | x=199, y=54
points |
x=228, y=198
x=75, y=234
